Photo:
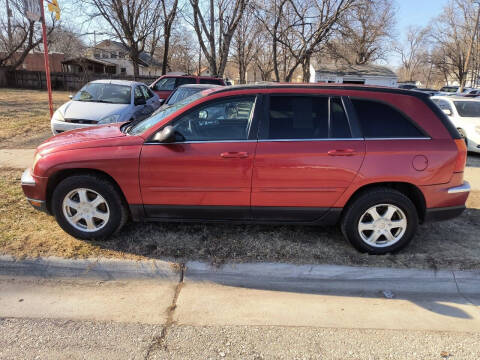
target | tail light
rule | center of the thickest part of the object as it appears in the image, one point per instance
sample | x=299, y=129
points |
x=461, y=159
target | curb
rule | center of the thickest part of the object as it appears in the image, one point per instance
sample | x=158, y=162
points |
x=104, y=269
x=324, y=279
x=335, y=279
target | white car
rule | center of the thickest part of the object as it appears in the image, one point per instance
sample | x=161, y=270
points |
x=465, y=115
x=103, y=102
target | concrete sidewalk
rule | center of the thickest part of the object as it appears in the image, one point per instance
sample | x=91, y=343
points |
x=196, y=294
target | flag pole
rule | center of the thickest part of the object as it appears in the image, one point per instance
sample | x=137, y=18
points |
x=47, y=65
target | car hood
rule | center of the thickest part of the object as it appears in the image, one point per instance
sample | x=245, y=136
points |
x=90, y=110
x=96, y=136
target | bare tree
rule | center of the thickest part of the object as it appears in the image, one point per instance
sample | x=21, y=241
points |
x=244, y=44
x=132, y=22
x=66, y=41
x=452, y=32
x=19, y=35
x=215, y=22
x=413, y=52
x=169, y=12
x=364, y=33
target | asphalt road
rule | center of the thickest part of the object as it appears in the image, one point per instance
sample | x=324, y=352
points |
x=65, y=339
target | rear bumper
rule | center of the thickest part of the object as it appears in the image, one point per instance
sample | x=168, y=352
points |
x=446, y=213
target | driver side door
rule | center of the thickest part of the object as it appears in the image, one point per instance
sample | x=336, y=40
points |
x=206, y=172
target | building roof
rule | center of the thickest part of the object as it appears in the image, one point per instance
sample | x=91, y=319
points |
x=145, y=58
x=355, y=70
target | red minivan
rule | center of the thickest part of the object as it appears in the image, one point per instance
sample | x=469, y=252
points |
x=165, y=84
x=377, y=161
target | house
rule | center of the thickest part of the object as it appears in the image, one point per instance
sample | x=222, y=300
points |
x=35, y=61
x=355, y=74
x=116, y=53
x=83, y=64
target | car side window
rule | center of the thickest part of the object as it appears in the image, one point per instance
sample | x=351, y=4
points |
x=219, y=120
x=146, y=92
x=165, y=84
x=379, y=120
x=305, y=117
x=211, y=81
x=138, y=93
x=184, y=81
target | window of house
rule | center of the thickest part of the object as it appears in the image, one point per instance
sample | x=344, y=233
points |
x=379, y=120
x=219, y=120
x=305, y=117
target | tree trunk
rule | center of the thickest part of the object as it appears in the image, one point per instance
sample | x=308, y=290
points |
x=165, y=52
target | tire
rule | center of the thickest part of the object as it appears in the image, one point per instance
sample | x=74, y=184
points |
x=101, y=215
x=398, y=224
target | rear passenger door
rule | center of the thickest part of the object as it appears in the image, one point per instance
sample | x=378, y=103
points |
x=307, y=156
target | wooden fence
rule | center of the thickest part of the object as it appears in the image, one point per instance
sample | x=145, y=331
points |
x=60, y=81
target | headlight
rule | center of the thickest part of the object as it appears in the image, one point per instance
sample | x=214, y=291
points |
x=477, y=129
x=57, y=116
x=109, y=119
x=35, y=160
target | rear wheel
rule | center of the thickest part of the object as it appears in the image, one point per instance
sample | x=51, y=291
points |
x=380, y=221
x=88, y=207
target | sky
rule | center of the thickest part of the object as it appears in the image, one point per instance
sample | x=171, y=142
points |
x=415, y=12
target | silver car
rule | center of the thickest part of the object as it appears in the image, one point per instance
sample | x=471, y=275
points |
x=103, y=102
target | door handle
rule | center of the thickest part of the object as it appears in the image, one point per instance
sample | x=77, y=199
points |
x=234, y=155
x=342, y=152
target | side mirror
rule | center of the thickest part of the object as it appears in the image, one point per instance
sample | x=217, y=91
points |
x=166, y=135
x=140, y=101
x=447, y=112
x=70, y=96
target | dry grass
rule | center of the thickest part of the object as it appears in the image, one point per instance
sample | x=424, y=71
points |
x=25, y=232
x=25, y=118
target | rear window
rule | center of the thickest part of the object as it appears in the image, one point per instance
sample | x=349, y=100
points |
x=211, y=81
x=305, y=117
x=379, y=120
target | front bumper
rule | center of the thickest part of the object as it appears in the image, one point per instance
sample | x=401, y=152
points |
x=33, y=188
x=61, y=126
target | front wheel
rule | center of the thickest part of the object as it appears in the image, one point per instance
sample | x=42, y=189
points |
x=380, y=221
x=88, y=207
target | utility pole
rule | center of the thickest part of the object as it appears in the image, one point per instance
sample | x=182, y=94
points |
x=467, y=60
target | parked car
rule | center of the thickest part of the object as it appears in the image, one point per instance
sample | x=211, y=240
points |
x=377, y=161
x=103, y=102
x=430, y=92
x=407, y=86
x=165, y=84
x=449, y=90
x=471, y=93
x=185, y=91
x=465, y=115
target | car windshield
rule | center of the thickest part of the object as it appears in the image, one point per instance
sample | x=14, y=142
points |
x=162, y=113
x=182, y=93
x=468, y=108
x=104, y=93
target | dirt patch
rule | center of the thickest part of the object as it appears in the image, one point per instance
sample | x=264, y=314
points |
x=25, y=232
x=25, y=118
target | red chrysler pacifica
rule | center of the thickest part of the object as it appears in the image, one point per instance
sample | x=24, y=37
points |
x=377, y=161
